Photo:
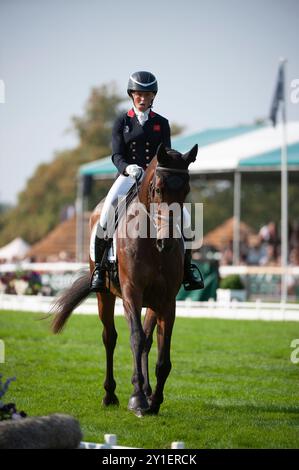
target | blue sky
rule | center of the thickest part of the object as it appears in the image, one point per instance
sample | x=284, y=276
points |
x=215, y=60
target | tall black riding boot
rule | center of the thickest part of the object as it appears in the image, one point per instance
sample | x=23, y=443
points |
x=192, y=276
x=98, y=279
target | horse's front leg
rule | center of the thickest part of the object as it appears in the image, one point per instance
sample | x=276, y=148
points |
x=149, y=324
x=163, y=366
x=106, y=302
x=132, y=301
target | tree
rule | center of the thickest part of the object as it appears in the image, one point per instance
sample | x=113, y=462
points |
x=176, y=129
x=53, y=185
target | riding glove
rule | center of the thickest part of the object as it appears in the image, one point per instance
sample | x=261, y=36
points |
x=134, y=171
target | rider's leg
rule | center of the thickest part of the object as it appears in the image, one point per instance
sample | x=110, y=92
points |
x=192, y=276
x=120, y=187
x=104, y=232
x=98, y=278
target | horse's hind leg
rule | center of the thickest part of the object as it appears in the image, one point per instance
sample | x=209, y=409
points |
x=106, y=303
x=149, y=324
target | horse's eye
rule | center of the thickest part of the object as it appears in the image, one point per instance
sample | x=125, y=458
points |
x=158, y=190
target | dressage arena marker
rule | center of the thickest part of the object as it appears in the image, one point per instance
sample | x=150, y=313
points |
x=111, y=443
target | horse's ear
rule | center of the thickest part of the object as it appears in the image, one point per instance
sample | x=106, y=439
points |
x=161, y=153
x=191, y=155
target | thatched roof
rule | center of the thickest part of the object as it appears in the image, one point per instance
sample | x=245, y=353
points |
x=60, y=243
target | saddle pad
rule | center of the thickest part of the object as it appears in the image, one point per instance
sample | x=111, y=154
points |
x=112, y=250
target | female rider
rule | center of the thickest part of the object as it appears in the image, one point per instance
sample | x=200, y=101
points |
x=136, y=136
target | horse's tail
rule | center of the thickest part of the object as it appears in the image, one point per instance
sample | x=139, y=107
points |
x=68, y=300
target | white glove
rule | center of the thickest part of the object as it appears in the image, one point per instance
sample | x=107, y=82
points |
x=134, y=171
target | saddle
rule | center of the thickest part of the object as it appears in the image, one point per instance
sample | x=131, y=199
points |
x=111, y=264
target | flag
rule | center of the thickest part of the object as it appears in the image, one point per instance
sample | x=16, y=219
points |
x=278, y=94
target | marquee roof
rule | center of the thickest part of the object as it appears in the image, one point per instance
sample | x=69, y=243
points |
x=243, y=148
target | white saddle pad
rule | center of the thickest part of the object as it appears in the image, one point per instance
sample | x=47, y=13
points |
x=112, y=250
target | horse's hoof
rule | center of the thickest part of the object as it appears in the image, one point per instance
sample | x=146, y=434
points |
x=138, y=404
x=140, y=413
x=109, y=400
x=153, y=410
x=154, y=407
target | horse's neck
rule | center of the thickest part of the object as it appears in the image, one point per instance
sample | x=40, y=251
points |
x=144, y=190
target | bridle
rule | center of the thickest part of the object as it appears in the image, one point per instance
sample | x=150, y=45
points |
x=172, y=170
x=152, y=189
x=168, y=170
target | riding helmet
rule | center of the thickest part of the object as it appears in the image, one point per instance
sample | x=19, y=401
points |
x=142, y=81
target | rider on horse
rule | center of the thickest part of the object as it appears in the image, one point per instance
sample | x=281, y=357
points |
x=136, y=136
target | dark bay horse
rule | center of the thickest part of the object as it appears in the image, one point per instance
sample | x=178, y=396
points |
x=150, y=273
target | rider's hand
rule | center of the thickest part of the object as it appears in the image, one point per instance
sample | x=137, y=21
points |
x=134, y=171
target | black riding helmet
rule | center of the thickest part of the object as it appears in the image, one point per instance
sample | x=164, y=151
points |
x=142, y=81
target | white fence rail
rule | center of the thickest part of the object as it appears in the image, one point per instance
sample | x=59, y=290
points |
x=68, y=267
x=185, y=308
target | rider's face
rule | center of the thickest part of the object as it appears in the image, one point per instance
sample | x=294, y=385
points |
x=142, y=99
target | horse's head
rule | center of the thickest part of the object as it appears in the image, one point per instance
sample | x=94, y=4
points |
x=168, y=187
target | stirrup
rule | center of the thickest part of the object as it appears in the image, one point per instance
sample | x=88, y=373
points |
x=194, y=284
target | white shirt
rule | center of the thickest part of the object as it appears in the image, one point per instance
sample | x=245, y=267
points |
x=142, y=116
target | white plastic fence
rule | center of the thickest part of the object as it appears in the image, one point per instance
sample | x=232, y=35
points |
x=233, y=310
x=63, y=266
x=111, y=443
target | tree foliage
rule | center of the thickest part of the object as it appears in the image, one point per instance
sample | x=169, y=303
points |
x=53, y=185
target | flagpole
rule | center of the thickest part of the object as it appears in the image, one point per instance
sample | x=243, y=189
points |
x=284, y=197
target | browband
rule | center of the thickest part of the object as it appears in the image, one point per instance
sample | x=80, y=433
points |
x=171, y=170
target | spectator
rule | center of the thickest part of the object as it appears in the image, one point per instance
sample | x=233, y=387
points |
x=254, y=251
x=269, y=257
x=294, y=235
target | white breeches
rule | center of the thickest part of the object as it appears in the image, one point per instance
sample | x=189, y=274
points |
x=120, y=188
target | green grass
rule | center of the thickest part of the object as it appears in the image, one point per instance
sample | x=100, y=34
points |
x=232, y=384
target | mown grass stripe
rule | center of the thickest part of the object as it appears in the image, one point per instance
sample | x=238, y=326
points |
x=232, y=384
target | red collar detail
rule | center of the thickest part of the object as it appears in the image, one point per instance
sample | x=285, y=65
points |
x=131, y=113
